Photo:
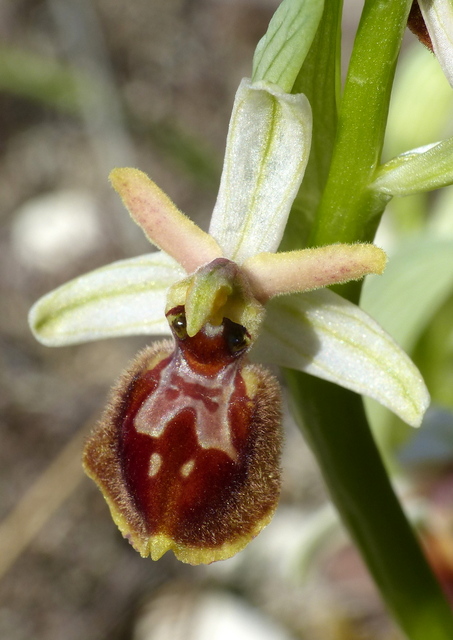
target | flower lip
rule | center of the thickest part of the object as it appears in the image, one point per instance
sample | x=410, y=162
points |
x=207, y=480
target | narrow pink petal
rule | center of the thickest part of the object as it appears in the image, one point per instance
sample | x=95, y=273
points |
x=164, y=225
x=271, y=274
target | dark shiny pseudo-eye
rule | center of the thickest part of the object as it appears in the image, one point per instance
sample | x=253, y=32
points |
x=187, y=452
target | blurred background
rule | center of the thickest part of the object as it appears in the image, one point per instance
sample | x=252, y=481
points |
x=87, y=85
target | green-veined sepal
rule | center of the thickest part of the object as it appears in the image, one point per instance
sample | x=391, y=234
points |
x=124, y=298
x=326, y=336
x=266, y=154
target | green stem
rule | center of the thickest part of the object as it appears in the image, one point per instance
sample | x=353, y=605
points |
x=319, y=80
x=348, y=211
x=335, y=425
x=333, y=418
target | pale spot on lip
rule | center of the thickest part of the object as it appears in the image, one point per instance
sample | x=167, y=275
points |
x=187, y=468
x=155, y=464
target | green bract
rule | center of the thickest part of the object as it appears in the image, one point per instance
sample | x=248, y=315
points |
x=281, y=52
x=415, y=171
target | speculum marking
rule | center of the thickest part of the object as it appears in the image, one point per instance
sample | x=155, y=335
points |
x=181, y=388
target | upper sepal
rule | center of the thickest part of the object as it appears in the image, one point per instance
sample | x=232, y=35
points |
x=266, y=154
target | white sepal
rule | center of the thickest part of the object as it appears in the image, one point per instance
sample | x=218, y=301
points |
x=124, y=298
x=326, y=336
x=266, y=154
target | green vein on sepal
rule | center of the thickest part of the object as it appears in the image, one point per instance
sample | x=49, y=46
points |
x=124, y=298
x=324, y=335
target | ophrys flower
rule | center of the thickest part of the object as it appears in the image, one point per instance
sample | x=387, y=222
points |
x=187, y=453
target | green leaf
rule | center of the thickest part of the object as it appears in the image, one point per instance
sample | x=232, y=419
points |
x=325, y=335
x=281, y=52
x=124, y=298
x=349, y=211
x=416, y=283
x=404, y=300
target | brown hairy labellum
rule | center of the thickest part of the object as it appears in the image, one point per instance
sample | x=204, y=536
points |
x=187, y=452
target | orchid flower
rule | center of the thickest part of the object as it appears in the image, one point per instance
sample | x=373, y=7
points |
x=187, y=452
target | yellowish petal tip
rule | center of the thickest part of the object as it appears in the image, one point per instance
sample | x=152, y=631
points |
x=120, y=175
x=379, y=261
x=116, y=174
